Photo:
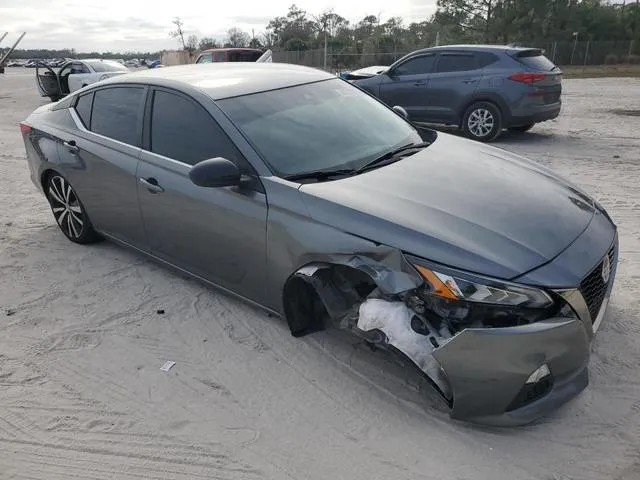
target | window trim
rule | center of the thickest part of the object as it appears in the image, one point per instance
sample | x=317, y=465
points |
x=75, y=104
x=457, y=54
x=146, y=129
x=79, y=124
x=425, y=54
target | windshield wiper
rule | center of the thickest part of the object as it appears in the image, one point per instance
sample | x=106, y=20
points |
x=321, y=174
x=387, y=157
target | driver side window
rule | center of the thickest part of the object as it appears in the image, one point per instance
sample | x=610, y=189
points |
x=416, y=66
x=204, y=58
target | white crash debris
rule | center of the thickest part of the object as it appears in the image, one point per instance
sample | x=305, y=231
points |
x=394, y=320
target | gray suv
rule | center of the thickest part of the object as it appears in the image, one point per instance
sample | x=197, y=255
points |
x=481, y=89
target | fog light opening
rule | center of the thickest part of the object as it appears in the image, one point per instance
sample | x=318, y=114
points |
x=539, y=374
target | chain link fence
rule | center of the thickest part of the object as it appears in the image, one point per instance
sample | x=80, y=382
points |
x=563, y=54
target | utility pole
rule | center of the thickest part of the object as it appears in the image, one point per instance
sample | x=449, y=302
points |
x=575, y=34
x=324, y=64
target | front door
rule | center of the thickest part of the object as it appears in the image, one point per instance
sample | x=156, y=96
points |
x=407, y=85
x=217, y=233
x=102, y=155
x=80, y=76
x=47, y=82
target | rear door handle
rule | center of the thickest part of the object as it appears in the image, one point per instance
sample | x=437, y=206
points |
x=469, y=81
x=151, y=184
x=71, y=146
x=420, y=83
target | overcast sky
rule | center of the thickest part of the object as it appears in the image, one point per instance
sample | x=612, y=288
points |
x=137, y=25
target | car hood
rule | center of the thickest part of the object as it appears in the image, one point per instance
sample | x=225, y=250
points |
x=461, y=204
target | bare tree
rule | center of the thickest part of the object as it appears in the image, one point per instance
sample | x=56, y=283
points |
x=207, y=42
x=192, y=43
x=237, y=38
x=178, y=33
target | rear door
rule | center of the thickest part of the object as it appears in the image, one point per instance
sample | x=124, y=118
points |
x=217, y=233
x=456, y=76
x=105, y=146
x=406, y=85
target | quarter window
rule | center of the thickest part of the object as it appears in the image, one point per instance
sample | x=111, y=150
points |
x=83, y=109
x=416, y=66
x=183, y=130
x=456, y=63
x=116, y=111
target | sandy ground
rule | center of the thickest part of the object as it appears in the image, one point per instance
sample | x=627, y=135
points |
x=81, y=345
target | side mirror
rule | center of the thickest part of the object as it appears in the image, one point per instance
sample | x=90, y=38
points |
x=215, y=172
x=401, y=111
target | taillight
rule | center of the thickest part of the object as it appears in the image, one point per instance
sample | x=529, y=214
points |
x=526, y=77
x=24, y=128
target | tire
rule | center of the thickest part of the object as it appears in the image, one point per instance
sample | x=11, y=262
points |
x=482, y=122
x=68, y=211
x=54, y=98
x=521, y=128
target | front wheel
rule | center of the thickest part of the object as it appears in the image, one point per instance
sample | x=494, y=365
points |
x=521, y=128
x=69, y=211
x=482, y=121
x=54, y=98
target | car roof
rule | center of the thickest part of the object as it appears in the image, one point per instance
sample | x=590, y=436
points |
x=503, y=48
x=232, y=49
x=226, y=79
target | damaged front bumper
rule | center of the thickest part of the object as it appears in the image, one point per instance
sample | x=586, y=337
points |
x=493, y=375
x=487, y=370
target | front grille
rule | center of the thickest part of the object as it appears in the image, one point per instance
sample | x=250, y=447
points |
x=593, y=288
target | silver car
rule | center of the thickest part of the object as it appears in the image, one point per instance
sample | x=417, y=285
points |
x=296, y=191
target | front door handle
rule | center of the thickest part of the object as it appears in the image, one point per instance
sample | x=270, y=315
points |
x=469, y=81
x=151, y=184
x=420, y=83
x=71, y=146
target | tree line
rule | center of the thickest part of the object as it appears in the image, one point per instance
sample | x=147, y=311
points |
x=530, y=22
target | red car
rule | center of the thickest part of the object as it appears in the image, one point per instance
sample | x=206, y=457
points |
x=229, y=55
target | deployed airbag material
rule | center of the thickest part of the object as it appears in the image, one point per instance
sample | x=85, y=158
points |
x=394, y=320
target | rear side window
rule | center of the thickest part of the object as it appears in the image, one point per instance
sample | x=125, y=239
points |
x=83, y=109
x=416, y=66
x=218, y=56
x=535, y=60
x=116, y=111
x=183, y=130
x=244, y=56
x=456, y=63
x=485, y=59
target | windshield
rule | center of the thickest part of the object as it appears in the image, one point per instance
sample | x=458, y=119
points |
x=106, y=66
x=319, y=126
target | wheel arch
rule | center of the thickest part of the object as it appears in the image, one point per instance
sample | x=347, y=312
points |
x=490, y=97
x=332, y=290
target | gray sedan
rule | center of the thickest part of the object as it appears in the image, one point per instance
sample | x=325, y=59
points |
x=299, y=193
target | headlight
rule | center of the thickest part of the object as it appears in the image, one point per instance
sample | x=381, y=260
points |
x=483, y=290
x=461, y=299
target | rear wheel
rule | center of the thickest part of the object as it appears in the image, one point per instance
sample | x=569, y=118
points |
x=482, y=121
x=521, y=128
x=69, y=211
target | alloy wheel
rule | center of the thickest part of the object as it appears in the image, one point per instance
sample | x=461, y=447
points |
x=66, y=207
x=481, y=122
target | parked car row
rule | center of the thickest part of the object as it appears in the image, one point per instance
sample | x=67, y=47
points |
x=291, y=189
